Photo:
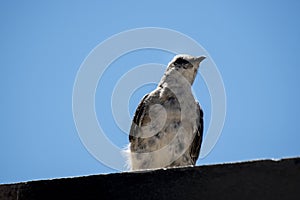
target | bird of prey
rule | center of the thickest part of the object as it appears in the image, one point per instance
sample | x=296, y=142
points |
x=167, y=127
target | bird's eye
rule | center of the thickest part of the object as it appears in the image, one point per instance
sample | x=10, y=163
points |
x=181, y=61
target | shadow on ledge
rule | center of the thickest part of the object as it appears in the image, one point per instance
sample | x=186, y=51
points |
x=265, y=179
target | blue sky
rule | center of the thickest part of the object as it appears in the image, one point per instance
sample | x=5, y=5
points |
x=255, y=45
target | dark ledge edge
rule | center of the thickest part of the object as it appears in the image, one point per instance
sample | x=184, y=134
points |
x=258, y=179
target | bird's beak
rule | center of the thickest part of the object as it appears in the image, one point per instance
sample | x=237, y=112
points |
x=200, y=58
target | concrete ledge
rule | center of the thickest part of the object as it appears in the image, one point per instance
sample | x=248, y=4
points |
x=265, y=179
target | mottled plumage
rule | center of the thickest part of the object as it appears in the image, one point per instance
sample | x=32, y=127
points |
x=167, y=127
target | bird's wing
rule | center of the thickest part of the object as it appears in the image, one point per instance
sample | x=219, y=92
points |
x=138, y=118
x=196, y=144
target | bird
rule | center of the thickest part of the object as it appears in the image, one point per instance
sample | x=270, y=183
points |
x=167, y=127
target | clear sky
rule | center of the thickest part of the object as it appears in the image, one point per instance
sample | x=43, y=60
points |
x=255, y=45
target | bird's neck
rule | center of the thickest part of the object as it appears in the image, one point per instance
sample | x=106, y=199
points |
x=174, y=79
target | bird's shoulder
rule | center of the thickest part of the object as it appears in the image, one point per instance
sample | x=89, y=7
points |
x=141, y=115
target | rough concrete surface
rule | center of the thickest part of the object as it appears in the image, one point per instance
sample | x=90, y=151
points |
x=265, y=179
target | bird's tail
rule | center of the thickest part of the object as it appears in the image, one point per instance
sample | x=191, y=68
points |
x=126, y=154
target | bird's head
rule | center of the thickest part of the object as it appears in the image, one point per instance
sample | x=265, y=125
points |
x=186, y=65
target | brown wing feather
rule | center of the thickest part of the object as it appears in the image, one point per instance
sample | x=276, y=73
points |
x=137, y=118
x=196, y=144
